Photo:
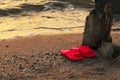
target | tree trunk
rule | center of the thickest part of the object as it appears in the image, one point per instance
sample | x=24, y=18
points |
x=98, y=24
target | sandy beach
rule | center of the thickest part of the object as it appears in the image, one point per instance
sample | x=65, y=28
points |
x=32, y=35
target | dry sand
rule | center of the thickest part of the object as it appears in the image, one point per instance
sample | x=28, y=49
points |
x=38, y=58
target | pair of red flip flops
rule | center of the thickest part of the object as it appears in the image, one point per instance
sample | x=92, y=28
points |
x=79, y=53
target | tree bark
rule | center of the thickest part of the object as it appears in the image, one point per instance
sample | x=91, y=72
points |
x=98, y=24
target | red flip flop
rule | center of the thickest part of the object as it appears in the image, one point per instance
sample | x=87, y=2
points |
x=72, y=54
x=87, y=51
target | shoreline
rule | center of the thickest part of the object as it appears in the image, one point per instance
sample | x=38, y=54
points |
x=43, y=43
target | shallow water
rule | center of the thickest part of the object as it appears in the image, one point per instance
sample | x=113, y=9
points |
x=21, y=18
